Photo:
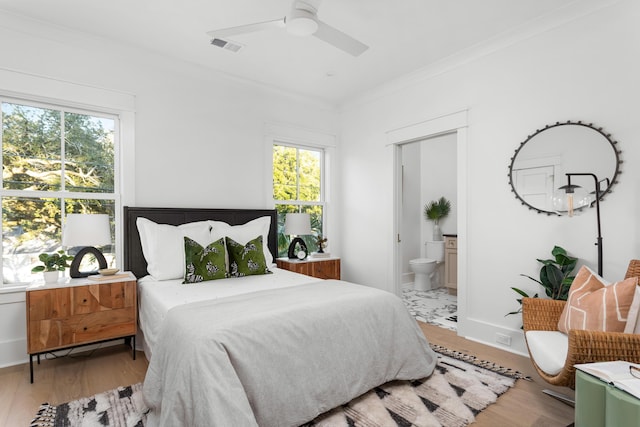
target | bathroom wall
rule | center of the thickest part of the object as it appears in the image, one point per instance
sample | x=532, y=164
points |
x=439, y=179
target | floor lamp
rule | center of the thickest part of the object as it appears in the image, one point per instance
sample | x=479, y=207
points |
x=570, y=198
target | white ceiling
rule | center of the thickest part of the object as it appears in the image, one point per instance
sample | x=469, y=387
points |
x=403, y=35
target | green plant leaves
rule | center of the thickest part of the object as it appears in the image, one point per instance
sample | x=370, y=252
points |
x=555, y=276
x=436, y=210
x=57, y=261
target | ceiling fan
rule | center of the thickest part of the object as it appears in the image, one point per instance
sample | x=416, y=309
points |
x=302, y=20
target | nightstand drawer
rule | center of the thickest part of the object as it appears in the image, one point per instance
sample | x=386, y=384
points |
x=320, y=268
x=326, y=270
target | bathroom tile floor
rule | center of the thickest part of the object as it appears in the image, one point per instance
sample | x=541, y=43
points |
x=435, y=306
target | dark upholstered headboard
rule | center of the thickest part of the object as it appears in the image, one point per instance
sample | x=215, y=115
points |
x=134, y=259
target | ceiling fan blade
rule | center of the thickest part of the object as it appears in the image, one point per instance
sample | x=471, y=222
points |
x=249, y=28
x=337, y=38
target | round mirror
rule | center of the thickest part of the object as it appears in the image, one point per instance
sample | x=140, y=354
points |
x=540, y=163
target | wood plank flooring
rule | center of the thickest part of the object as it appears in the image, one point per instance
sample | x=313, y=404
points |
x=64, y=379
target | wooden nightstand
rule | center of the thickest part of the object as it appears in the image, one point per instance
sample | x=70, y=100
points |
x=322, y=268
x=77, y=312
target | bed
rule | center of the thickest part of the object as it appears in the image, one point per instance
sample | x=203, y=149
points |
x=273, y=349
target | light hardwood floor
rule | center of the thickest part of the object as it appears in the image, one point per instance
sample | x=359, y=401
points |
x=65, y=379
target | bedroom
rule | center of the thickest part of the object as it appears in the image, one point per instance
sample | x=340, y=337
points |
x=580, y=67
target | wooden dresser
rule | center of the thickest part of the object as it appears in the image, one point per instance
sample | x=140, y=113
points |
x=76, y=312
x=322, y=268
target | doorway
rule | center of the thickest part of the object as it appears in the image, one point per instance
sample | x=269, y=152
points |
x=429, y=172
x=454, y=124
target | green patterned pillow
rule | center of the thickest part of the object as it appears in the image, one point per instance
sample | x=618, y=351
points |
x=246, y=260
x=204, y=263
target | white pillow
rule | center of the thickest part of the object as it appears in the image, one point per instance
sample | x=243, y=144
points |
x=163, y=246
x=245, y=232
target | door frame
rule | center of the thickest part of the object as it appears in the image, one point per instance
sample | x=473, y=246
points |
x=457, y=123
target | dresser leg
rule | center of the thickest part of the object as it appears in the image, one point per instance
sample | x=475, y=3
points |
x=31, y=366
x=133, y=347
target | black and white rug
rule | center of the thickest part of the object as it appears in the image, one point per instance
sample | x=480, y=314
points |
x=436, y=306
x=121, y=407
x=460, y=387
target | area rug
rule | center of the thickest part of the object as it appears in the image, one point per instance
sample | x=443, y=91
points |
x=460, y=387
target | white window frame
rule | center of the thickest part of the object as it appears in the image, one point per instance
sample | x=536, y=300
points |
x=285, y=134
x=62, y=193
x=299, y=202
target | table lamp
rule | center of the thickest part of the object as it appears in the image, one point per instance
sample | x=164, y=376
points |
x=297, y=224
x=88, y=231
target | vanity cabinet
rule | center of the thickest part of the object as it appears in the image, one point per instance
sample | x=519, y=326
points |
x=451, y=264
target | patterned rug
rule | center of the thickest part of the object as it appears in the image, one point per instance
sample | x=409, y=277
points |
x=460, y=387
x=435, y=306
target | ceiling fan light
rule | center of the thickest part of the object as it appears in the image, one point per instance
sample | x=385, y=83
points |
x=301, y=23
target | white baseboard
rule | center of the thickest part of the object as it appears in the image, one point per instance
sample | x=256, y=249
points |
x=13, y=352
x=485, y=333
x=407, y=278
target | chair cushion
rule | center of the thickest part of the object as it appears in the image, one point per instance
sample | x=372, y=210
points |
x=594, y=305
x=548, y=349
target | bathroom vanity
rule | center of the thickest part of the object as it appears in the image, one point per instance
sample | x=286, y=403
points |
x=451, y=263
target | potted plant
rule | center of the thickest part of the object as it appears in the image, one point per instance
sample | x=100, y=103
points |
x=435, y=211
x=555, y=277
x=53, y=264
x=321, y=242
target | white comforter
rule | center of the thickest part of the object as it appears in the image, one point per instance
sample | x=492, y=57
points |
x=280, y=357
x=156, y=298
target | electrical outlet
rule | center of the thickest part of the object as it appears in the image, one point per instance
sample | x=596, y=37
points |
x=503, y=339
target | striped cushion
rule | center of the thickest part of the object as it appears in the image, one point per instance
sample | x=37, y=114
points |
x=596, y=306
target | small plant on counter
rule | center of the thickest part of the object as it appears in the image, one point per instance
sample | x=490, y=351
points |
x=321, y=242
x=435, y=211
x=57, y=261
x=555, y=277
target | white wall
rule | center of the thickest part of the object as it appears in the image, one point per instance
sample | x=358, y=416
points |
x=583, y=70
x=199, y=136
x=439, y=179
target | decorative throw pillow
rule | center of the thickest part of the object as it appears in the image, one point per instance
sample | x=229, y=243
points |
x=593, y=305
x=202, y=263
x=633, y=324
x=245, y=232
x=246, y=260
x=163, y=245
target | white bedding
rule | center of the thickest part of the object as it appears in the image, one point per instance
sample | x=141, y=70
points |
x=156, y=298
x=274, y=357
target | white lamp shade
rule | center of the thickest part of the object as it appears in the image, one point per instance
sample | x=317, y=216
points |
x=297, y=223
x=86, y=230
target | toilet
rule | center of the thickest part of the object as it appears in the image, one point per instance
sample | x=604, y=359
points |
x=425, y=268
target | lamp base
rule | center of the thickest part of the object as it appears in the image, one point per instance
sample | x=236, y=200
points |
x=74, y=270
x=292, y=253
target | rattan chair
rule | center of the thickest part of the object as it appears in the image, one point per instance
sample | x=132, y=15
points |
x=540, y=314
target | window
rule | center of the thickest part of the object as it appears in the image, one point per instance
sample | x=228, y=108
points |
x=55, y=161
x=298, y=174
